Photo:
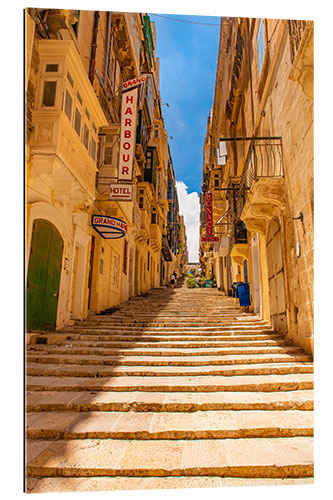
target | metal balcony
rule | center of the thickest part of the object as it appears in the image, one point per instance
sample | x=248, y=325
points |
x=264, y=160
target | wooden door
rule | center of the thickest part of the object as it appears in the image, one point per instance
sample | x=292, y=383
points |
x=276, y=278
x=44, y=273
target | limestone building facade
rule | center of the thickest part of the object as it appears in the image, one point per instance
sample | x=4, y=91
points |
x=77, y=63
x=258, y=165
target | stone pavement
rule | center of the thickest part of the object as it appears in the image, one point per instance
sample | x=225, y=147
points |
x=177, y=389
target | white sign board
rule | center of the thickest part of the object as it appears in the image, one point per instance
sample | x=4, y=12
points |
x=121, y=192
x=109, y=227
x=127, y=135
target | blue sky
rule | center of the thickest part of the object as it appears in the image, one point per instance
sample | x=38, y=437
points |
x=188, y=57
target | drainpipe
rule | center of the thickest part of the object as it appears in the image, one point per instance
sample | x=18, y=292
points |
x=107, y=59
x=92, y=62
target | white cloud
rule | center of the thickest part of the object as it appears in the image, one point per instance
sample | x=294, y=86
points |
x=189, y=207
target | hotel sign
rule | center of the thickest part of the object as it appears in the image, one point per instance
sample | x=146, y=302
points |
x=121, y=192
x=109, y=227
x=209, y=213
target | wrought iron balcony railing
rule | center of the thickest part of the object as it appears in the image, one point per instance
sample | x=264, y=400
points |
x=264, y=159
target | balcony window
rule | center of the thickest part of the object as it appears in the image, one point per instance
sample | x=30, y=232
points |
x=51, y=68
x=49, y=94
x=86, y=136
x=93, y=149
x=78, y=95
x=70, y=79
x=77, y=122
x=261, y=45
x=107, y=155
x=68, y=105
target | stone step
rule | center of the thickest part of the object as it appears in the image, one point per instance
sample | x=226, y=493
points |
x=244, y=457
x=165, y=332
x=84, y=401
x=261, y=383
x=137, y=351
x=180, y=344
x=191, y=317
x=76, y=484
x=126, y=320
x=148, y=425
x=164, y=338
x=43, y=356
x=71, y=370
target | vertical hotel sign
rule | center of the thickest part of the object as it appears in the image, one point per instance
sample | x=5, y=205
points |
x=209, y=213
x=128, y=128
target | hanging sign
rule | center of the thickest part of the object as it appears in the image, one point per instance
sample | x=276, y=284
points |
x=132, y=83
x=209, y=213
x=127, y=135
x=121, y=192
x=109, y=227
x=209, y=238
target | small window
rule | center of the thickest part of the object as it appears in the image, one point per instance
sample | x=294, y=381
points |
x=261, y=45
x=94, y=127
x=107, y=156
x=93, y=149
x=51, y=68
x=68, y=105
x=79, y=97
x=87, y=114
x=70, y=79
x=101, y=266
x=216, y=180
x=77, y=123
x=86, y=136
x=140, y=201
x=49, y=93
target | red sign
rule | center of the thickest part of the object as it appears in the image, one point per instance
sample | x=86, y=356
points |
x=209, y=213
x=209, y=238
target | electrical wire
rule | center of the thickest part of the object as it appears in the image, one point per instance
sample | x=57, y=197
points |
x=183, y=21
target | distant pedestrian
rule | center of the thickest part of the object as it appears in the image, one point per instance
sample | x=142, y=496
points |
x=173, y=279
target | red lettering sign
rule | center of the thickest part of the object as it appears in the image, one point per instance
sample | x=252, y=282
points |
x=209, y=213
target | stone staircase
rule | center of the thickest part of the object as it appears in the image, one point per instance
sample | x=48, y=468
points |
x=178, y=389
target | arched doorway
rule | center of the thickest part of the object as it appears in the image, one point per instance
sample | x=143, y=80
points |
x=43, y=279
x=276, y=277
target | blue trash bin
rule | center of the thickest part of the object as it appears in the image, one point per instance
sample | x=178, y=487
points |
x=243, y=290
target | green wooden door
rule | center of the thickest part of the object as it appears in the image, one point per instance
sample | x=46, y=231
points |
x=43, y=276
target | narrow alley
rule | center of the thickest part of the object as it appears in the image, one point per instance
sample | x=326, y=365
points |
x=169, y=251
x=179, y=388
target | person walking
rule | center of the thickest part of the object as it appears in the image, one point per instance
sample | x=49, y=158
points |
x=173, y=280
